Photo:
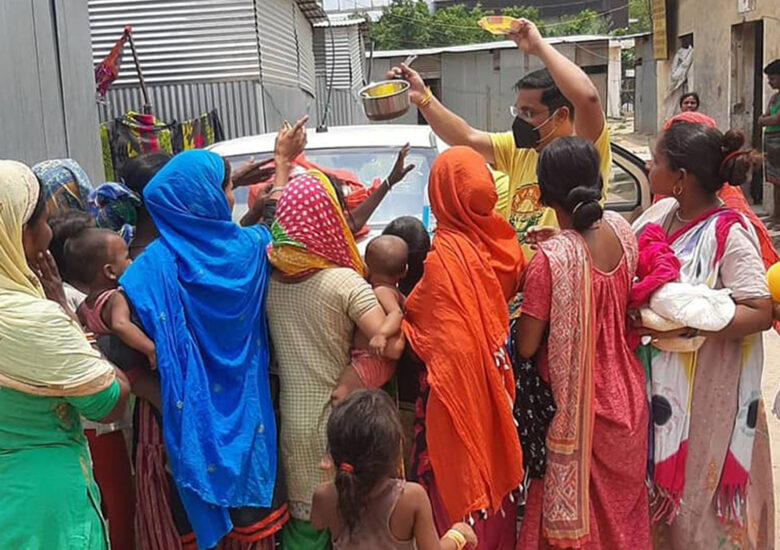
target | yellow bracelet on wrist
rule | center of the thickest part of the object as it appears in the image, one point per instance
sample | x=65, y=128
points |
x=456, y=537
x=426, y=99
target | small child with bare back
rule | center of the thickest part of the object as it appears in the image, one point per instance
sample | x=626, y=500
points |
x=367, y=505
x=386, y=262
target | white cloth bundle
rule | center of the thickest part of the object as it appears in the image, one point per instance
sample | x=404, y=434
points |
x=678, y=305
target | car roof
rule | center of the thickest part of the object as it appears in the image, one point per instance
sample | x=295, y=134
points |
x=373, y=135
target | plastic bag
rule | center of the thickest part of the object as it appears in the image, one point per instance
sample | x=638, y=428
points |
x=695, y=306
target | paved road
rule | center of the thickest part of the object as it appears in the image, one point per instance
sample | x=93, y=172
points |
x=770, y=385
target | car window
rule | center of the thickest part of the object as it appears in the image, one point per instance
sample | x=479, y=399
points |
x=623, y=189
x=370, y=165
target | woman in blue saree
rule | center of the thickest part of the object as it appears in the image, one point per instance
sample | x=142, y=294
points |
x=199, y=292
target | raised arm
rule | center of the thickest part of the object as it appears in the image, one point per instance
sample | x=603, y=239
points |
x=570, y=79
x=290, y=142
x=360, y=215
x=445, y=124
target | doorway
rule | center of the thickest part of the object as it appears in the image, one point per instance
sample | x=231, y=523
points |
x=747, y=45
x=746, y=90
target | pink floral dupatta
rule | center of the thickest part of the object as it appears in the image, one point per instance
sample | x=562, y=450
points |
x=571, y=351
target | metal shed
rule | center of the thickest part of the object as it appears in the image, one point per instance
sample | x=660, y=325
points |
x=477, y=80
x=253, y=60
x=48, y=87
x=339, y=54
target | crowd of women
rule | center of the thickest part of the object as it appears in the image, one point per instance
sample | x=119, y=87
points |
x=595, y=431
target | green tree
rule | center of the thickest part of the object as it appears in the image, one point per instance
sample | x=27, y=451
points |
x=409, y=24
x=585, y=22
x=404, y=24
x=639, y=19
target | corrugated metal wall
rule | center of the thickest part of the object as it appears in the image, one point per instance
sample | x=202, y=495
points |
x=278, y=53
x=239, y=103
x=328, y=40
x=252, y=60
x=304, y=34
x=180, y=40
x=357, y=57
x=344, y=110
x=429, y=66
x=47, y=85
x=479, y=85
x=344, y=54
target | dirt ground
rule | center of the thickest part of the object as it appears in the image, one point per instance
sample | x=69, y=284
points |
x=770, y=385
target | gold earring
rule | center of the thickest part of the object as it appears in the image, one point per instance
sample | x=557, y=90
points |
x=678, y=191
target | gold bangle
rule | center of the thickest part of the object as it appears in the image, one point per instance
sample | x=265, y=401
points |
x=427, y=99
x=456, y=537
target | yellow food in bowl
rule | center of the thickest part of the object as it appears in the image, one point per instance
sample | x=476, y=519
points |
x=383, y=90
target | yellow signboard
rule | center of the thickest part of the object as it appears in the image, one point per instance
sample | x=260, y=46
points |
x=660, y=47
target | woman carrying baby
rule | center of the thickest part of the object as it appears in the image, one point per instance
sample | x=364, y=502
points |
x=705, y=401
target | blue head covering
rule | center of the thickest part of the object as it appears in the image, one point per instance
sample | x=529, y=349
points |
x=199, y=292
x=116, y=208
x=65, y=185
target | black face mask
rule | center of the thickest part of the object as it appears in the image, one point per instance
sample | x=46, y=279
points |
x=526, y=135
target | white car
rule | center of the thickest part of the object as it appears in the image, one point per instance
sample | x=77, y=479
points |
x=370, y=152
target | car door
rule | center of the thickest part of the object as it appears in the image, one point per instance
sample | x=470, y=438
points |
x=628, y=192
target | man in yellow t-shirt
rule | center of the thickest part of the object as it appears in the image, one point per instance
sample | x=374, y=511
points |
x=550, y=103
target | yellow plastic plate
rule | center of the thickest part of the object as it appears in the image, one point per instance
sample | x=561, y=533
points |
x=496, y=24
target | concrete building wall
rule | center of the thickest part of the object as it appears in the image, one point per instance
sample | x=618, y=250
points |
x=47, y=87
x=714, y=59
x=727, y=69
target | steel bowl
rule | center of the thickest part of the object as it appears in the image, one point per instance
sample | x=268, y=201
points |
x=385, y=100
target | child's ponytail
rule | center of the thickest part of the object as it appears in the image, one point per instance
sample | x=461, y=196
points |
x=364, y=441
x=352, y=494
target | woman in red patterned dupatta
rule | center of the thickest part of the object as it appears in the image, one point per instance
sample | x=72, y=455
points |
x=593, y=493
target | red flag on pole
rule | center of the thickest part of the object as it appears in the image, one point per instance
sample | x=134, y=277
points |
x=107, y=70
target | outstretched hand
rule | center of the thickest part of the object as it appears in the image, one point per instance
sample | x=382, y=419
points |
x=291, y=140
x=252, y=172
x=400, y=168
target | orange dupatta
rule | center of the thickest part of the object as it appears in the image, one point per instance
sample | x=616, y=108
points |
x=457, y=322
